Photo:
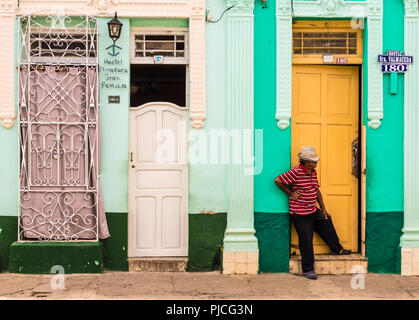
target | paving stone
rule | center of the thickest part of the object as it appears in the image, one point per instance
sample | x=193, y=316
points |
x=210, y=285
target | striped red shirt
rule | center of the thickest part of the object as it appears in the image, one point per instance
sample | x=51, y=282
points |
x=306, y=184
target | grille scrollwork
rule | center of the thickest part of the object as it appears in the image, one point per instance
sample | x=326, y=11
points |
x=58, y=118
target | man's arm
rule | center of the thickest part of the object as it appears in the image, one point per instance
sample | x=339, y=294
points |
x=290, y=194
x=321, y=203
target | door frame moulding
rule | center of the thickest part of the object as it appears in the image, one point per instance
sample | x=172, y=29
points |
x=193, y=10
x=372, y=10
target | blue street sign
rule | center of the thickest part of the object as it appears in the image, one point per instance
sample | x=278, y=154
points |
x=390, y=68
x=395, y=59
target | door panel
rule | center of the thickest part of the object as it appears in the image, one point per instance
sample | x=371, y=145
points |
x=146, y=222
x=325, y=114
x=158, y=181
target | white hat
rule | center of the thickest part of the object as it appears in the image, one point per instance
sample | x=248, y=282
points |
x=308, y=153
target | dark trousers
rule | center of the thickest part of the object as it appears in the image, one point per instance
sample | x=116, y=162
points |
x=304, y=225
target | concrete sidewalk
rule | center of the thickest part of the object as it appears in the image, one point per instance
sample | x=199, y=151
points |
x=206, y=285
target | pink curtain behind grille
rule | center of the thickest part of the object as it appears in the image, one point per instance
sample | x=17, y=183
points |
x=60, y=194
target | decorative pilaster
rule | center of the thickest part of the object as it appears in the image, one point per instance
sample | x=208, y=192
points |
x=7, y=22
x=375, y=76
x=197, y=62
x=410, y=238
x=284, y=63
x=240, y=244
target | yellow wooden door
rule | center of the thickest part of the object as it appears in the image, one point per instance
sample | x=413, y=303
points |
x=325, y=115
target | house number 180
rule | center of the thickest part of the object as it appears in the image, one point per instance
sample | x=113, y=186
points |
x=393, y=68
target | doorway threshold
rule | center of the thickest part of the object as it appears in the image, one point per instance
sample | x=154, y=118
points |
x=332, y=264
x=158, y=264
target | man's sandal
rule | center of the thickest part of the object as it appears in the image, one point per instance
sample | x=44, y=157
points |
x=310, y=275
x=342, y=252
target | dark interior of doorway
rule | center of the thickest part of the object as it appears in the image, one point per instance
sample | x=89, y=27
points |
x=151, y=83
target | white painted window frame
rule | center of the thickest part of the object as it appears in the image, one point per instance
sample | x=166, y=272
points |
x=158, y=31
x=372, y=10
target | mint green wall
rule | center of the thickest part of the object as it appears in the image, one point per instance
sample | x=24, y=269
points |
x=114, y=131
x=385, y=144
x=384, y=153
x=114, y=122
x=385, y=189
x=276, y=142
x=114, y=126
x=208, y=182
x=9, y=171
x=271, y=218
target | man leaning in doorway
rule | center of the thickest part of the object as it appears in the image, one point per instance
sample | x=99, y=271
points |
x=302, y=187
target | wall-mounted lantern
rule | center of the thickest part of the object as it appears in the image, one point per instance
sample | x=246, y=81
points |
x=114, y=29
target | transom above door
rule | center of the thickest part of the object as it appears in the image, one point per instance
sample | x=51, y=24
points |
x=326, y=42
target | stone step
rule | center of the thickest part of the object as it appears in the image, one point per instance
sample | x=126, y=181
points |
x=158, y=264
x=332, y=264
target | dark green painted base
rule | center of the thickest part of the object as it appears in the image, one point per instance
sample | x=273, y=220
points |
x=115, y=248
x=8, y=234
x=206, y=233
x=40, y=257
x=383, y=232
x=273, y=234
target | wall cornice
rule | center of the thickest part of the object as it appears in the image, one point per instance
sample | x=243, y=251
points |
x=125, y=8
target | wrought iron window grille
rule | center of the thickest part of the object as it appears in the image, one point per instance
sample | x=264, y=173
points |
x=58, y=127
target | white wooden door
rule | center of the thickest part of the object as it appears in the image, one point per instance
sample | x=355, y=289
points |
x=158, y=181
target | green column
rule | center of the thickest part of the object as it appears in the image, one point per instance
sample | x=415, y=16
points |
x=410, y=238
x=240, y=244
